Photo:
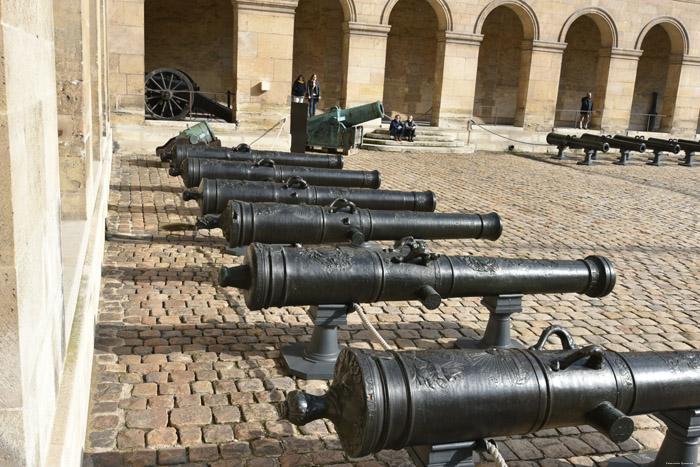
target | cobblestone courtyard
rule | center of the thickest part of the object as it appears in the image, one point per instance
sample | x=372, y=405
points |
x=185, y=374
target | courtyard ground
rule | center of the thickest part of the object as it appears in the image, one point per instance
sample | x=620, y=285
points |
x=185, y=374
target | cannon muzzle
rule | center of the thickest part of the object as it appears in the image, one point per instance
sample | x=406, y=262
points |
x=637, y=146
x=391, y=400
x=653, y=144
x=283, y=276
x=244, y=223
x=195, y=169
x=214, y=195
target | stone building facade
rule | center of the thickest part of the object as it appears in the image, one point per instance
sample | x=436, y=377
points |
x=512, y=62
x=72, y=69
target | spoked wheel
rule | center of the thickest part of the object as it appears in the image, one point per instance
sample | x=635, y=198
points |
x=168, y=94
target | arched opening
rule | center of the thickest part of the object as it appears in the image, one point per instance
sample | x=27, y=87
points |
x=410, y=60
x=580, y=72
x=318, y=47
x=656, y=83
x=196, y=39
x=498, y=73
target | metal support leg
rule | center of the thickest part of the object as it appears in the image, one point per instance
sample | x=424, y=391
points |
x=443, y=455
x=497, y=332
x=589, y=156
x=688, y=161
x=657, y=159
x=680, y=445
x=560, y=154
x=595, y=155
x=624, y=157
x=316, y=359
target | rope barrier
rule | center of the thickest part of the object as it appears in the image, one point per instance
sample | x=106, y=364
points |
x=492, y=449
x=284, y=120
x=269, y=130
x=505, y=137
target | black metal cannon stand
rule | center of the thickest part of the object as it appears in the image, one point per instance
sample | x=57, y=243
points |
x=688, y=161
x=497, y=332
x=680, y=445
x=624, y=157
x=316, y=359
x=443, y=455
x=560, y=154
x=657, y=159
x=590, y=154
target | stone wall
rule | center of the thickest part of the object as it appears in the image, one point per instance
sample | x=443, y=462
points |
x=410, y=59
x=193, y=37
x=579, y=69
x=652, y=72
x=31, y=296
x=498, y=72
x=318, y=47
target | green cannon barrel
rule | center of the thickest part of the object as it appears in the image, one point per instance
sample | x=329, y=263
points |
x=349, y=117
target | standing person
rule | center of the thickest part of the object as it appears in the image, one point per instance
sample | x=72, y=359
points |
x=313, y=92
x=409, y=128
x=586, y=109
x=396, y=128
x=299, y=89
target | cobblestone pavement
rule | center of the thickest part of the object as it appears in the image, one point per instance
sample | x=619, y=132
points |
x=184, y=373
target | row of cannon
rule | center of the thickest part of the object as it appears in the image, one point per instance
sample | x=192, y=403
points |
x=593, y=144
x=439, y=404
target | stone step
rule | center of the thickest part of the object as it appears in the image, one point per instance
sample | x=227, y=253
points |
x=432, y=131
x=410, y=147
x=420, y=135
x=419, y=143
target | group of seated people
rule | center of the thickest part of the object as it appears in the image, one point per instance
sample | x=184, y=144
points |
x=399, y=129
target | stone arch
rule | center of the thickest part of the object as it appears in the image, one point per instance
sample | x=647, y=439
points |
x=602, y=19
x=531, y=26
x=349, y=10
x=444, y=15
x=680, y=42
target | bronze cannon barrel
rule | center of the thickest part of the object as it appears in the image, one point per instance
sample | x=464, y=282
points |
x=282, y=276
x=688, y=145
x=195, y=169
x=557, y=138
x=577, y=143
x=213, y=195
x=324, y=161
x=243, y=223
x=391, y=400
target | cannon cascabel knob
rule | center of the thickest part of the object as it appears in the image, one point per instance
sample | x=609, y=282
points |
x=237, y=276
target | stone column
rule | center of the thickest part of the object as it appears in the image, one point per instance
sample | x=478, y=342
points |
x=126, y=60
x=263, y=44
x=74, y=101
x=364, y=60
x=457, y=60
x=687, y=102
x=617, y=72
x=540, y=70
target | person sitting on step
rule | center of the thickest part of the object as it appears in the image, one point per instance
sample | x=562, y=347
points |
x=409, y=128
x=396, y=128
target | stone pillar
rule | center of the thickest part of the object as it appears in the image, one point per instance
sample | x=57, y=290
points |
x=126, y=60
x=457, y=60
x=540, y=70
x=263, y=45
x=687, y=102
x=617, y=72
x=364, y=59
x=74, y=100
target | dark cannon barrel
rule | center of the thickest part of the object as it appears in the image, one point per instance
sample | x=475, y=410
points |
x=391, y=400
x=213, y=195
x=243, y=223
x=688, y=145
x=654, y=144
x=637, y=145
x=282, y=276
x=329, y=161
x=557, y=138
x=195, y=169
x=577, y=143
